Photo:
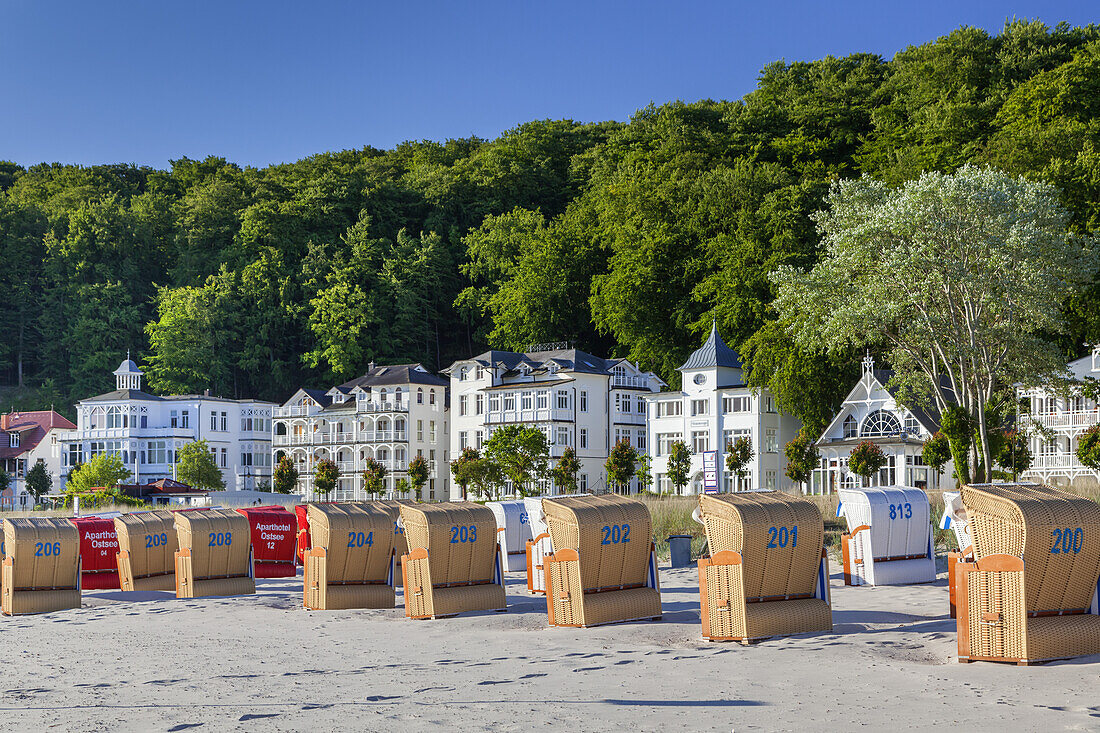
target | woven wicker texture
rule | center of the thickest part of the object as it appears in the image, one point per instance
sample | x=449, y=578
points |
x=422, y=600
x=460, y=538
x=1032, y=522
x=358, y=539
x=41, y=570
x=751, y=523
x=147, y=545
x=611, y=534
x=214, y=558
x=393, y=508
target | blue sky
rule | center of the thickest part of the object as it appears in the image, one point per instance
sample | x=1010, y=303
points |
x=267, y=82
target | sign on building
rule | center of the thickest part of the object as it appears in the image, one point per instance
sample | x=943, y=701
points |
x=710, y=472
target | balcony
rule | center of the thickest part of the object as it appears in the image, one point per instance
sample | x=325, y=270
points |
x=624, y=380
x=1065, y=420
x=1049, y=461
x=628, y=418
x=297, y=411
x=74, y=436
x=505, y=417
x=371, y=406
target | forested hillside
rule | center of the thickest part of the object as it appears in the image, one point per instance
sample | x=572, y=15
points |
x=625, y=238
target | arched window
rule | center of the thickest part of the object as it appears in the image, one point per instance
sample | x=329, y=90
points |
x=880, y=422
x=397, y=395
x=851, y=427
x=420, y=396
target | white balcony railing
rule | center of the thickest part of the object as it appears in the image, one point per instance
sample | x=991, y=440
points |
x=625, y=380
x=296, y=411
x=630, y=418
x=1055, y=460
x=528, y=416
x=1072, y=420
x=371, y=406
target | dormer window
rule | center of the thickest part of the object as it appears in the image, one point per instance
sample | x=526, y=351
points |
x=13, y=440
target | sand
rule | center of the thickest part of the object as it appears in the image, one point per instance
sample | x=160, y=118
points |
x=151, y=662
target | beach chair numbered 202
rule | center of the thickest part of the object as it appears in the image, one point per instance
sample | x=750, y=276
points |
x=604, y=568
x=1030, y=594
x=41, y=570
x=350, y=564
x=768, y=574
x=889, y=540
x=453, y=565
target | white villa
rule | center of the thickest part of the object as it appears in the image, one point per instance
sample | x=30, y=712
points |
x=1066, y=417
x=871, y=412
x=390, y=414
x=148, y=431
x=713, y=408
x=576, y=399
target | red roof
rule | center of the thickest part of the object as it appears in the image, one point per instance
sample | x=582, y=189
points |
x=32, y=428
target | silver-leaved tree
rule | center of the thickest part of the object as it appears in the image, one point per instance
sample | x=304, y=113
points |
x=961, y=276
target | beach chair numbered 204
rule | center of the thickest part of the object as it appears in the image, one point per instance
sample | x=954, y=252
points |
x=350, y=564
x=1030, y=594
x=603, y=569
x=768, y=574
x=889, y=540
x=454, y=564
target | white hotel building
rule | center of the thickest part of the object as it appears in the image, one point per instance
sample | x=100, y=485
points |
x=390, y=414
x=576, y=399
x=714, y=408
x=1064, y=417
x=148, y=431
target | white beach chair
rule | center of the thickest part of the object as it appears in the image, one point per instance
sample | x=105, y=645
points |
x=513, y=531
x=889, y=540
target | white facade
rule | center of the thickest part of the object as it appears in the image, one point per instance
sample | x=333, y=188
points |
x=391, y=414
x=1065, y=417
x=713, y=408
x=28, y=438
x=578, y=400
x=870, y=412
x=148, y=432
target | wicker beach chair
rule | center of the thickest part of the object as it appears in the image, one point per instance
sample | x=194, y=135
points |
x=453, y=564
x=147, y=545
x=350, y=564
x=513, y=532
x=540, y=546
x=889, y=540
x=215, y=554
x=41, y=570
x=604, y=569
x=954, y=518
x=392, y=507
x=1030, y=594
x=768, y=574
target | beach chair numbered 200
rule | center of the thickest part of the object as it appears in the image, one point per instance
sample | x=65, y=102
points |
x=454, y=564
x=889, y=540
x=768, y=574
x=603, y=569
x=1030, y=594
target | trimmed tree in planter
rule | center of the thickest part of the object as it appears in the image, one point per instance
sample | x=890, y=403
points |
x=679, y=465
x=374, y=477
x=565, y=472
x=802, y=458
x=325, y=476
x=739, y=454
x=1088, y=448
x=418, y=474
x=866, y=460
x=285, y=478
x=620, y=464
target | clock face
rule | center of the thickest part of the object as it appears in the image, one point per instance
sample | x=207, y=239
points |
x=700, y=378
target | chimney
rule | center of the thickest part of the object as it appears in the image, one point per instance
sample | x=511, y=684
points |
x=206, y=392
x=370, y=367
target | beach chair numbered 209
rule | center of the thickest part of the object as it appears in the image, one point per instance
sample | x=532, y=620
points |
x=1030, y=594
x=768, y=575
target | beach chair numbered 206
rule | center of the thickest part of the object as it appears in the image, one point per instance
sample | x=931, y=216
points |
x=1030, y=594
x=41, y=569
x=768, y=575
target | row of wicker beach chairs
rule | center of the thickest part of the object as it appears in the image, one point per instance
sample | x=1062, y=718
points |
x=1024, y=584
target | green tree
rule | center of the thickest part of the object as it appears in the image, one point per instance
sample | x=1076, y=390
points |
x=418, y=475
x=5, y=480
x=464, y=468
x=679, y=465
x=105, y=471
x=38, y=481
x=1088, y=448
x=1014, y=454
x=521, y=452
x=620, y=465
x=962, y=275
x=644, y=474
x=401, y=487
x=866, y=459
x=196, y=467
x=325, y=476
x=936, y=452
x=739, y=454
x=802, y=457
x=374, y=477
x=565, y=471
x=285, y=476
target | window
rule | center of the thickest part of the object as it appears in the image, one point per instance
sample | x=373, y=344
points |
x=144, y=421
x=851, y=428
x=185, y=419
x=479, y=373
x=462, y=403
x=173, y=419
x=769, y=480
x=431, y=397
x=420, y=430
x=582, y=482
x=225, y=423
x=246, y=459
x=114, y=417
x=420, y=396
x=700, y=441
x=157, y=451
x=480, y=439
x=563, y=399
x=640, y=441
x=543, y=399
x=13, y=440
x=463, y=374
x=700, y=407
x=480, y=404
x=431, y=431
x=563, y=436
x=213, y=421
x=584, y=400
x=665, y=441
x=225, y=458
x=769, y=403
x=912, y=426
x=737, y=404
x=583, y=438
x=729, y=436
x=669, y=408
x=880, y=422
x=494, y=403
x=509, y=402
x=462, y=440
x=525, y=401
x=640, y=406
x=771, y=443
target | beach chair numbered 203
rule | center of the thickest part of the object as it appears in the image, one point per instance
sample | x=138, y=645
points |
x=1030, y=594
x=889, y=540
x=603, y=569
x=768, y=574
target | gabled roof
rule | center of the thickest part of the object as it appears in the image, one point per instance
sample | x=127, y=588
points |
x=1081, y=368
x=929, y=419
x=385, y=376
x=32, y=427
x=713, y=353
x=123, y=394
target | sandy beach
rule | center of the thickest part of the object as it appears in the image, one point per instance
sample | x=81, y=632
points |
x=263, y=663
